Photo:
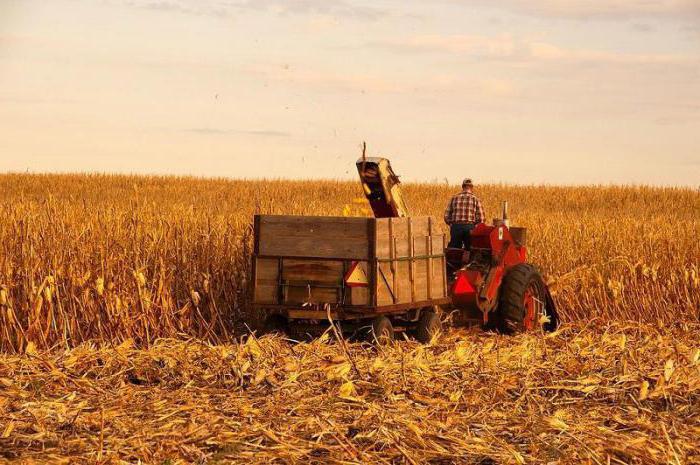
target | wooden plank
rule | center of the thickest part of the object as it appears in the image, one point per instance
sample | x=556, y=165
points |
x=429, y=249
x=266, y=276
x=371, y=297
x=397, y=269
x=429, y=267
x=400, y=233
x=344, y=290
x=384, y=285
x=411, y=264
x=253, y=266
x=359, y=296
x=256, y=234
x=420, y=279
x=392, y=255
x=419, y=248
x=280, y=288
x=383, y=241
x=420, y=228
x=364, y=312
x=308, y=314
x=397, y=308
x=303, y=220
x=443, y=268
x=317, y=236
x=403, y=287
x=302, y=294
x=312, y=270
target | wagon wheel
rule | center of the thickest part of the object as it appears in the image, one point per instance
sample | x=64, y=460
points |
x=525, y=304
x=428, y=325
x=381, y=331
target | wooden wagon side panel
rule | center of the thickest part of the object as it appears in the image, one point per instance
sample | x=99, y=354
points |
x=433, y=243
x=313, y=236
x=411, y=266
x=305, y=260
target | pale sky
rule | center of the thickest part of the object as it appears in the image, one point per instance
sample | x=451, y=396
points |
x=518, y=91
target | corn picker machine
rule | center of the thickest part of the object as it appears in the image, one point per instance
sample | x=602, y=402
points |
x=393, y=273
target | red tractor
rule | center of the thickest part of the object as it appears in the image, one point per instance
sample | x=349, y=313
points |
x=494, y=279
x=491, y=281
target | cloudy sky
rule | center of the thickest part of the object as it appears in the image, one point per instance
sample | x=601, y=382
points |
x=519, y=91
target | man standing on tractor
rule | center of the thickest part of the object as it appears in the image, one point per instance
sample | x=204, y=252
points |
x=463, y=213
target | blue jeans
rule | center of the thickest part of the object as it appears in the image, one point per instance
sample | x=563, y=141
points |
x=460, y=235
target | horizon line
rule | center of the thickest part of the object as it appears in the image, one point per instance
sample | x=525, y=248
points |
x=435, y=182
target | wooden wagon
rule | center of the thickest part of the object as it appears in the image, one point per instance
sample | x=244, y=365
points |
x=373, y=275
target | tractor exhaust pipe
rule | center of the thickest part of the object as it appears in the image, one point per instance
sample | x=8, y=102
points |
x=505, y=214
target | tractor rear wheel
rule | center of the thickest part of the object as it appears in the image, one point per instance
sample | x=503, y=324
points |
x=523, y=304
x=428, y=325
x=381, y=331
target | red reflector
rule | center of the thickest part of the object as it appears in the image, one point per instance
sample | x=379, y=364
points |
x=356, y=276
x=462, y=285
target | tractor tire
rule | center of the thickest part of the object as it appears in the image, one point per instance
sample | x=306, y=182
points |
x=428, y=325
x=381, y=331
x=524, y=302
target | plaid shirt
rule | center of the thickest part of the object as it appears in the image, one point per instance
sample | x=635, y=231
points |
x=464, y=208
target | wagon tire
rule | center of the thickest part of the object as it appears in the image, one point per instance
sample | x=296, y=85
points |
x=381, y=331
x=429, y=324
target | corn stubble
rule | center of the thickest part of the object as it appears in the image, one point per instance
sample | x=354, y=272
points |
x=619, y=394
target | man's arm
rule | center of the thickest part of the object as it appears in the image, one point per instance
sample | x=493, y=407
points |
x=448, y=212
x=481, y=218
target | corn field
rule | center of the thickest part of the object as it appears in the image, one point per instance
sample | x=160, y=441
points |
x=124, y=335
x=117, y=258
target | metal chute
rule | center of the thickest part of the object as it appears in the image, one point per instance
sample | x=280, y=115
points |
x=382, y=188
